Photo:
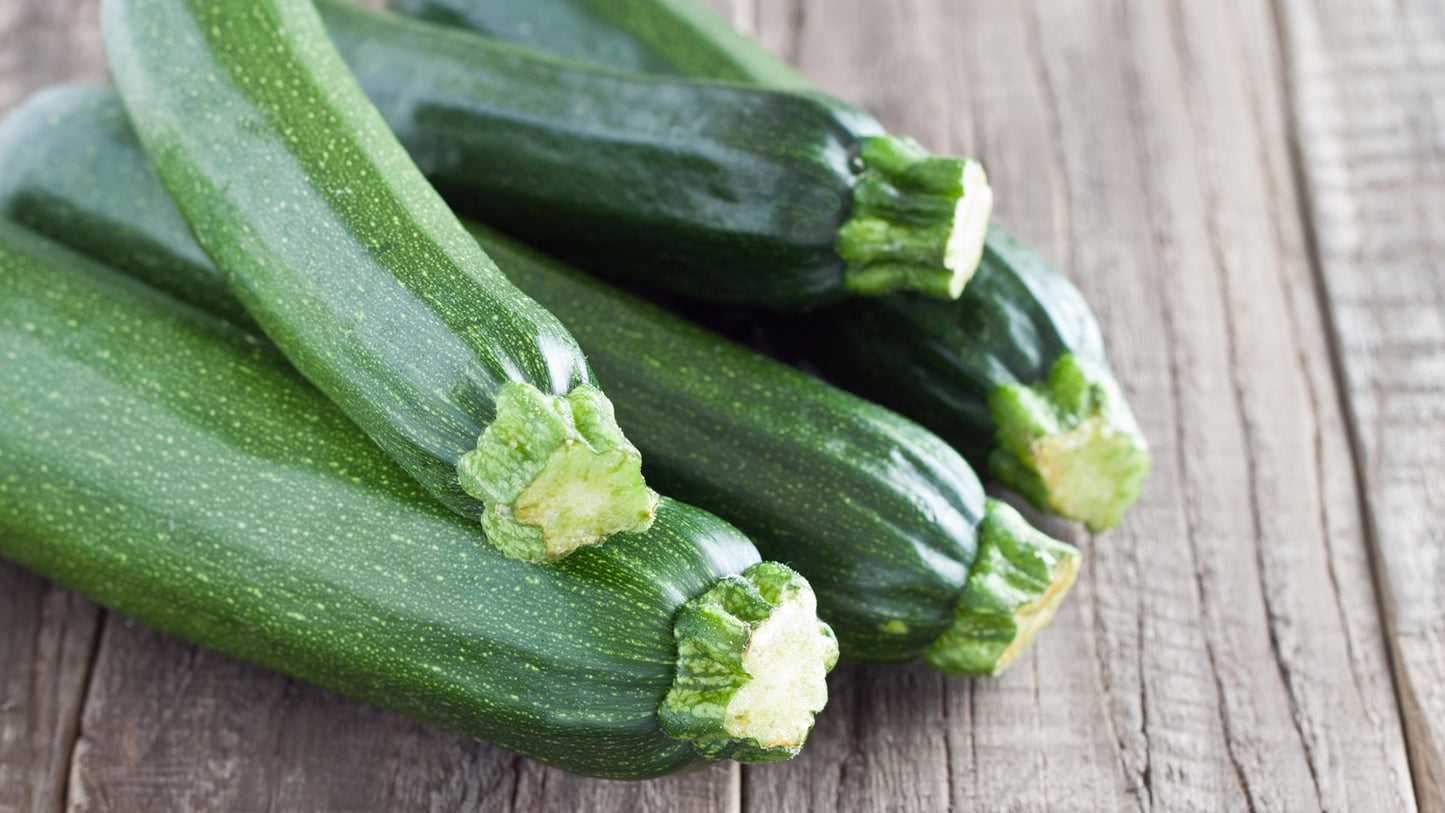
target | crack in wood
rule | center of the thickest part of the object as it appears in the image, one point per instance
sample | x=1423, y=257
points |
x=76, y=730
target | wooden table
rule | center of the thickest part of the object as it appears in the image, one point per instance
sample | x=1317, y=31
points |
x=1252, y=194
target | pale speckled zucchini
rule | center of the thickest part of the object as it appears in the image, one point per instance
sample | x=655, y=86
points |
x=177, y=470
x=351, y=263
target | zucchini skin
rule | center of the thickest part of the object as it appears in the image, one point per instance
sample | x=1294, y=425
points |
x=73, y=171
x=957, y=367
x=720, y=192
x=1013, y=374
x=175, y=469
x=329, y=236
x=877, y=513
x=666, y=37
x=941, y=364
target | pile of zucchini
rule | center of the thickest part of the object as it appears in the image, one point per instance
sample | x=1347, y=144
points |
x=261, y=389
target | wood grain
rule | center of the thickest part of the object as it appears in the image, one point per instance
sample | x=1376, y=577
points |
x=1368, y=100
x=46, y=641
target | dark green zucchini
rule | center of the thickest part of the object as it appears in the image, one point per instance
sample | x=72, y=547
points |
x=1014, y=373
x=177, y=470
x=876, y=512
x=354, y=266
x=717, y=191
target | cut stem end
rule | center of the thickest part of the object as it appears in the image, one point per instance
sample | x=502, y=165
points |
x=918, y=221
x=1016, y=584
x=752, y=658
x=1070, y=444
x=555, y=474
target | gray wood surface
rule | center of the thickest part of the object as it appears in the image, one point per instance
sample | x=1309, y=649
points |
x=1252, y=196
x=1368, y=102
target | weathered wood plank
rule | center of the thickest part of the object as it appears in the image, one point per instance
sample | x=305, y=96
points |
x=1368, y=99
x=1336, y=509
x=47, y=634
x=1292, y=709
x=1334, y=689
x=882, y=744
x=43, y=42
x=170, y=726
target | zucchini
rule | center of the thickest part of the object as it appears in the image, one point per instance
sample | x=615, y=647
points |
x=1014, y=373
x=354, y=266
x=721, y=192
x=176, y=470
x=878, y=514
x=666, y=37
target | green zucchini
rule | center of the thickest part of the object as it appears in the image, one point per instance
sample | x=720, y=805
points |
x=717, y=191
x=177, y=470
x=666, y=37
x=877, y=513
x=354, y=266
x=1014, y=373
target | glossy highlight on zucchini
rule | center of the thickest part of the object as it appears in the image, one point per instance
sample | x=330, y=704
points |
x=1014, y=373
x=351, y=263
x=151, y=458
x=717, y=191
x=880, y=515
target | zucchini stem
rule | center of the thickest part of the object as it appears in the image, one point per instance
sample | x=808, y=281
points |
x=918, y=220
x=555, y=474
x=752, y=658
x=1017, y=582
x=1070, y=444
